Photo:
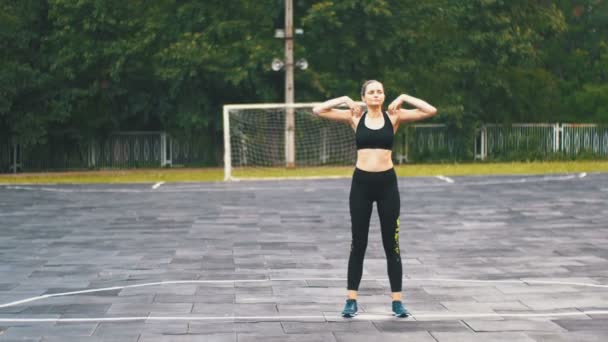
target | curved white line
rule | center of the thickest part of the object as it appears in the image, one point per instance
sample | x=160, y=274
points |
x=174, y=282
x=363, y=316
x=445, y=179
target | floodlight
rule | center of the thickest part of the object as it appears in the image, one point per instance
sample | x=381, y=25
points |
x=302, y=63
x=277, y=64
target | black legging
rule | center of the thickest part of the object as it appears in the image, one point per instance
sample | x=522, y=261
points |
x=366, y=188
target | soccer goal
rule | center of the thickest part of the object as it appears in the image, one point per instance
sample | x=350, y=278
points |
x=284, y=141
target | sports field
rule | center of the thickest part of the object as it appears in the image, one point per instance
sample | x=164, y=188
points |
x=486, y=258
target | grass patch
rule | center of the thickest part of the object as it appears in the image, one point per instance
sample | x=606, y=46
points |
x=116, y=176
x=217, y=174
x=513, y=168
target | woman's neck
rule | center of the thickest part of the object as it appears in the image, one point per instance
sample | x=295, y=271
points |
x=374, y=112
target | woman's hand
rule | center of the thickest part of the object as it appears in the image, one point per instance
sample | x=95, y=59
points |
x=355, y=108
x=423, y=110
x=395, y=106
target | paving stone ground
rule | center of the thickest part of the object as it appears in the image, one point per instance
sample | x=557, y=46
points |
x=502, y=258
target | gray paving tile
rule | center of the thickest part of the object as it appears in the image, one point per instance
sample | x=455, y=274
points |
x=513, y=325
x=238, y=310
x=597, y=324
x=262, y=328
x=45, y=329
x=117, y=330
x=417, y=336
x=478, y=228
x=308, y=309
x=399, y=326
x=143, y=309
x=75, y=309
x=578, y=336
x=305, y=328
x=312, y=337
x=25, y=339
x=482, y=337
x=189, y=338
x=133, y=338
x=208, y=299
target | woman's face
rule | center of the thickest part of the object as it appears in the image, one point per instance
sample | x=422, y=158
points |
x=374, y=94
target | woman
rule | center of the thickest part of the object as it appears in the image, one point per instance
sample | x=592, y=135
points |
x=374, y=180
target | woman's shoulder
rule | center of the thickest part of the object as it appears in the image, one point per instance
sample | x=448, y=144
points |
x=393, y=117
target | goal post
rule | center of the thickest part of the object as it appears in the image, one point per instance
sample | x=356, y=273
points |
x=258, y=143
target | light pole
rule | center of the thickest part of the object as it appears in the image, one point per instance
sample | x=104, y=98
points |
x=290, y=124
x=277, y=64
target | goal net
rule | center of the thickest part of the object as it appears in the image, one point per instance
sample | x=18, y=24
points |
x=279, y=140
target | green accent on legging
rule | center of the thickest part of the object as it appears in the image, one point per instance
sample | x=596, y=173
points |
x=397, y=236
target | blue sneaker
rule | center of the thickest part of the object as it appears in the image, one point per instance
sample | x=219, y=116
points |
x=399, y=310
x=350, y=309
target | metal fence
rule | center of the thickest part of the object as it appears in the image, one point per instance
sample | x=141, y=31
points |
x=515, y=141
x=118, y=150
x=6, y=155
x=415, y=143
x=537, y=141
x=584, y=139
x=430, y=142
x=541, y=141
x=129, y=150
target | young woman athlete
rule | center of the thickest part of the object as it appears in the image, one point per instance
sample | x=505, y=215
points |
x=374, y=180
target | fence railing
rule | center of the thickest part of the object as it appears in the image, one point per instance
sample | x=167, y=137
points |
x=118, y=150
x=130, y=149
x=517, y=140
x=429, y=142
x=538, y=141
x=423, y=142
x=586, y=139
x=7, y=160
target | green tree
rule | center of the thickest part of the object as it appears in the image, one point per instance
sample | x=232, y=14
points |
x=461, y=55
x=24, y=81
x=81, y=69
x=166, y=65
x=579, y=59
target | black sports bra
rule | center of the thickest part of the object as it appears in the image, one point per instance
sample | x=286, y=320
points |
x=381, y=138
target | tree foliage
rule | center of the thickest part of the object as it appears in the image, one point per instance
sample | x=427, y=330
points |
x=81, y=69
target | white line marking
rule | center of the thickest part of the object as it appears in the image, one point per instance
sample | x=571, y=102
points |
x=446, y=179
x=362, y=316
x=157, y=185
x=559, y=177
x=544, y=314
x=171, y=282
x=582, y=175
x=257, y=179
x=163, y=318
x=513, y=181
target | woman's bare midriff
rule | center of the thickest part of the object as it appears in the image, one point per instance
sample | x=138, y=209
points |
x=374, y=160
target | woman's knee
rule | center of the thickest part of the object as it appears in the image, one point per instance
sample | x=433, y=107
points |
x=358, y=246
